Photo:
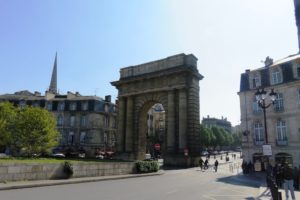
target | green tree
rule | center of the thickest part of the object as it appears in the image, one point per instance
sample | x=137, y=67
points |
x=7, y=119
x=205, y=136
x=219, y=136
x=35, y=131
x=237, y=139
x=213, y=138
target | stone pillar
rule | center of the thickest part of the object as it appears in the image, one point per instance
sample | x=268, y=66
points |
x=182, y=119
x=121, y=125
x=171, y=122
x=193, y=117
x=129, y=125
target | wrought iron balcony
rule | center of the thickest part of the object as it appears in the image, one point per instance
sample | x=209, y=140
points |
x=282, y=142
x=259, y=142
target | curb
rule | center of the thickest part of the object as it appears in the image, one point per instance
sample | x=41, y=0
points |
x=43, y=183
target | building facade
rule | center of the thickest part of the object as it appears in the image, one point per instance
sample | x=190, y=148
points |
x=282, y=118
x=209, y=122
x=86, y=123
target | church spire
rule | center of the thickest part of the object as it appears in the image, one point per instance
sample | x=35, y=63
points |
x=53, y=83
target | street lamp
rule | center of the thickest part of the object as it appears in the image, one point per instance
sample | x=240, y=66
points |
x=261, y=96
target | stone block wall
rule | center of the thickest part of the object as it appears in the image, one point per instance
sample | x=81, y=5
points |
x=21, y=172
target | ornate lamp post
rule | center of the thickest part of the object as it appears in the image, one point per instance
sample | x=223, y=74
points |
x=261, y=96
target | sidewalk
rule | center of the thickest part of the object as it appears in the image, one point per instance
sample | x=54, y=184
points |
x=42, y=183
x=264, y=192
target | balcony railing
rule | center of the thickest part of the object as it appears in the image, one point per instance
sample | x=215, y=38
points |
x=259, y=142
x=281, y=142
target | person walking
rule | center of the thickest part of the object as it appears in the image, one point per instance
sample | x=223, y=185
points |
x=216, y=165
x=288, y=181
x=201, y=164
x=206, y=164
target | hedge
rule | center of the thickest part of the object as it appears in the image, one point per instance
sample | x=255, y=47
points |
x=147, y=166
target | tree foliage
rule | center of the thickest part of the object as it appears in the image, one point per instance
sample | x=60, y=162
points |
x=7, y=118
x=215, y=136
x=30, y=129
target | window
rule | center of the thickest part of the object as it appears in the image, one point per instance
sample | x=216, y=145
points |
x=49, y=106
x=60, y=120
x=276, y=77
x=83, y=121
x=105, y=138
x=106, y=107
x=161, y=125
x=72, y=120
x=279, y=102
x=61, y=106
x=22, y=104
x=82, y=137
x=114, y=124
x=73, y=106
x=71, y=138
x=281, y=130
x=256, y=82
x=84, y=105
x=259, y=132
x=112, y=140
x=256, y=108
x=106, y=121
x=36, y=104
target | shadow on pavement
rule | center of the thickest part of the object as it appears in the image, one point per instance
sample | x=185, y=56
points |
x=242, y=180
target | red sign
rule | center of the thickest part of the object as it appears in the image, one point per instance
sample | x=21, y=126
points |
x=157, y=146
x=186, y=151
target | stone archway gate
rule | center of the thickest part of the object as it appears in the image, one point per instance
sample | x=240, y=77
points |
x=173, y=82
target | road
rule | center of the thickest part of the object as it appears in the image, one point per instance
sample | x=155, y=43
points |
x=184, y=184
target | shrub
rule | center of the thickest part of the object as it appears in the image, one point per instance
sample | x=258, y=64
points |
x=68, y=169
x=147, y=166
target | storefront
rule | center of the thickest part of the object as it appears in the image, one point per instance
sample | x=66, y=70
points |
x=284, y=158
x=260, y=162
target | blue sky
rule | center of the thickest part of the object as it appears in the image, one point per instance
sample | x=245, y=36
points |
x=94, y=39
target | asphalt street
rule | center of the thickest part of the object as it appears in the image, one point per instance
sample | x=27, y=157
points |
x=187, y=184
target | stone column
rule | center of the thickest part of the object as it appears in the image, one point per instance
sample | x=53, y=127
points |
x=129, y=125
x=182, y=119
x=193, y=117
x=121, y=125
x=171, y=122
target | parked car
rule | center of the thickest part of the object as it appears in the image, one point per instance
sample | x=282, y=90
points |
x=239, y=149
x=204, y=153
x=58, y=155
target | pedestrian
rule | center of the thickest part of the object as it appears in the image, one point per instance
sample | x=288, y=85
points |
x=216, y=165
x=206, y=164
x=288, y=181
x=296, y=178
x=201, y=163
x=277, y=173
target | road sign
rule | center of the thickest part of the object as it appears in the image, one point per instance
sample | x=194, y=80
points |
x=186, y=151
x=267, y=150
x=157, y=146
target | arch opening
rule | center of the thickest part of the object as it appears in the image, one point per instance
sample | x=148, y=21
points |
x=152, y=130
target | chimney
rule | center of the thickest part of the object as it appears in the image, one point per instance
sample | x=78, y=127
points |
x=37, y=94
x=268, y=61
x=297, y=17
x=108, y=98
